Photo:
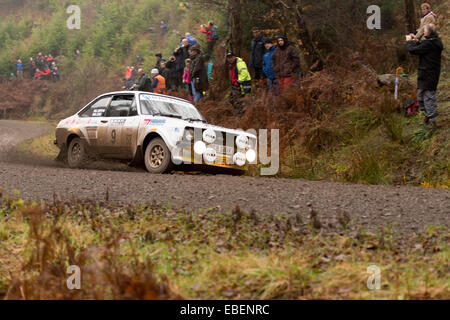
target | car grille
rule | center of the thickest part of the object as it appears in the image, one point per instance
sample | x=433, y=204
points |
x=223, y=150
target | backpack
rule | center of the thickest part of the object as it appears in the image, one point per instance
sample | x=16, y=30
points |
x=411, y=107
x=214, y=34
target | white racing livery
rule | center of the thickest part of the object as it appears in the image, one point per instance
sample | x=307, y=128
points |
x=159, y=131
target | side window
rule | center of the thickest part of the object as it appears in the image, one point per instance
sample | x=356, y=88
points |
x=97, y=109
x=121, y=106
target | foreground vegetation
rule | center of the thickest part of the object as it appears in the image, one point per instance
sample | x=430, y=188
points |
x=153, y=252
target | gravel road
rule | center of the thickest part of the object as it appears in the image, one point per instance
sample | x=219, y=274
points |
x=407, y=209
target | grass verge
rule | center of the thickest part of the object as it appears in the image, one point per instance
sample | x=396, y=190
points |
x=153, y=252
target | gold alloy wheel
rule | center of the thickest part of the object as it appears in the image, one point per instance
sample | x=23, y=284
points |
x=157, y=156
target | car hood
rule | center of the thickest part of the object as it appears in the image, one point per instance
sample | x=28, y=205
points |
x=218, y=128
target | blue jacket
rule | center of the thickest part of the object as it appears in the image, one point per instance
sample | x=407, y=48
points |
x=267, y=63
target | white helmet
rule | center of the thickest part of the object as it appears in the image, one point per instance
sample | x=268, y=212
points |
x=155, y=71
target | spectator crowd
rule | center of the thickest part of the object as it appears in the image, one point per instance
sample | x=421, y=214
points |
x=43, y=67
x=189, y=67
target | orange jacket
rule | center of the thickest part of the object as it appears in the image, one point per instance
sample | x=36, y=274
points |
x=160, y=85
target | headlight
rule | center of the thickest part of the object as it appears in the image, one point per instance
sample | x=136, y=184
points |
x=251, y=155
x=209, y=136
x=210, y=155
x=200, y=147
x=239, y=159
x=242, y=142
x=189, y=135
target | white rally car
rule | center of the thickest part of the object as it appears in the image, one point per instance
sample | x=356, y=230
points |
x=156, y=130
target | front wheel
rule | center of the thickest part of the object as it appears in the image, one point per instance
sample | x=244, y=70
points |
x=76, y=154
x=158, y=158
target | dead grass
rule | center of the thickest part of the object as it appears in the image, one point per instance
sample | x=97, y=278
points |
x=131, y=252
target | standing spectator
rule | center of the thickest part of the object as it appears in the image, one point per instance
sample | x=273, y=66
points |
x=187, y=79
x=257, y=53
x=50, y=59
x=285, y=62
x=55, y=73
x=198, y=73
x=211, y=37
x=19, y=66
x=192, y=41
x=267, y=63
x=159, y=59
x=40, y=61
x=158, y=83
x=144, y=83
x=77, y=54
x=32, y=67
x=429, y=51
x=182, y=51
x=165, y=73
x=241, y=81
x=181, y=54
x=428, y=17
x=129, y=80
x=163, y=28
x=139, y=60
x=175, y=75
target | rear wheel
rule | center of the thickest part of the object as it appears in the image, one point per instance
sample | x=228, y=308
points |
x=76, y=153
x=158, y=158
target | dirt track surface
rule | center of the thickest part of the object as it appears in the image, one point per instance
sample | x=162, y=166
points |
x=406, y=209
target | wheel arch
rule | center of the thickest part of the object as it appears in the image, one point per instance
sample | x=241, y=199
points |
x=149, y=137
x=70, y=137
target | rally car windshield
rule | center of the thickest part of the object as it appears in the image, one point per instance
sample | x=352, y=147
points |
x=161, y=106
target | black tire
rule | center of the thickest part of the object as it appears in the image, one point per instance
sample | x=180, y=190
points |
x=158, y=158
x=76, y=153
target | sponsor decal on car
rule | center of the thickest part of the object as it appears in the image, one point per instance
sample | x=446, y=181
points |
x=117, y=122
x=154, y=122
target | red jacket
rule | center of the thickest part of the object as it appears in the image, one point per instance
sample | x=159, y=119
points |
x=209, y=33
x=128, y=74
x=233, y=75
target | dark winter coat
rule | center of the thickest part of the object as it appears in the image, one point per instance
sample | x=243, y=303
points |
x=166, y=74
x=174, y=76
x=430, y=53
x=182, y=54
x=285, y=60
x=258, y=51
x=144, y=84
x=199, y=73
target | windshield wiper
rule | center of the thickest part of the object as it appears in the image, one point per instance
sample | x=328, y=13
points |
x=169, y=115
x=194, y=119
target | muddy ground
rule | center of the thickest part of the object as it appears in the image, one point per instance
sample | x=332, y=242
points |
x=407, y=209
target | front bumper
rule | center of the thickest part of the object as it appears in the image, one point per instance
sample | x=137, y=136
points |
x=184, y=152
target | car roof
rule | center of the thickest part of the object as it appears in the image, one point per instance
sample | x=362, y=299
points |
x=144, y=92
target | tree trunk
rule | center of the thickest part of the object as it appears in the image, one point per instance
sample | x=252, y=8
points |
x=312, y=54
x=235, y=37
x=410, y=15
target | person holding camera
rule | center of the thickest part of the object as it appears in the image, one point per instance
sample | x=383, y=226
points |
x=429, y=51
x=181, y=54
x=211, y=37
